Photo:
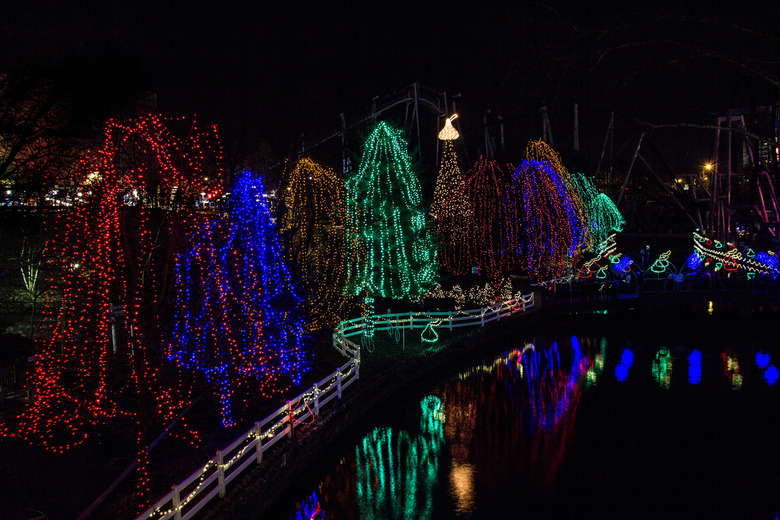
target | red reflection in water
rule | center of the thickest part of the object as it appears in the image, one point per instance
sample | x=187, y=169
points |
x=524, y=409
x=511, y=421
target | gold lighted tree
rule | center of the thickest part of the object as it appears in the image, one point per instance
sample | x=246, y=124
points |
x=314, y=223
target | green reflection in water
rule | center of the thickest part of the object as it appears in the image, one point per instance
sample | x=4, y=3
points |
x=662, y=367
x=397, y=471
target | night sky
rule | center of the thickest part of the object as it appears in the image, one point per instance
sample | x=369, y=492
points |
x=278, y=70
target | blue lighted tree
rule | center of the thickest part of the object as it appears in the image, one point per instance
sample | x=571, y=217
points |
x=238, y=317
x=550, y=220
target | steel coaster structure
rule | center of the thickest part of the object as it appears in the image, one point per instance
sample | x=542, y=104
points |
x=417, y=104
x=739, y=182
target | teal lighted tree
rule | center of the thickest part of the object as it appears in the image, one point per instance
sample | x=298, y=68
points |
x=385, y=206
x=605, y=218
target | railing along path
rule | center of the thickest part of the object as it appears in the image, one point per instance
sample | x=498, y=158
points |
x=194, y=493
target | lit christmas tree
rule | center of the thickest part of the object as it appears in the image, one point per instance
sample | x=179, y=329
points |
x=451, y=208
x=385, y=203
x=550, y=221
x=238, y=319
x=313, y=216
x=486, y=186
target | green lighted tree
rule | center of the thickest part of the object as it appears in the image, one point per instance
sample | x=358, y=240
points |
x=604, y=216
x=385, y=205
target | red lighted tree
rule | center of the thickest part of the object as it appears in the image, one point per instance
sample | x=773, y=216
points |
x=115, y=249
x=486, y=186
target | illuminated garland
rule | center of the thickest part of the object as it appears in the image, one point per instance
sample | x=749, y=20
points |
x=549, y=221
x=477, y=295
x=605, y=250
x=385, y=204
x=237, y=315
x=485, y=186
x=314, y=226
x=661, y=266
x=115, y=247
x=728, y=257
x=454, y=216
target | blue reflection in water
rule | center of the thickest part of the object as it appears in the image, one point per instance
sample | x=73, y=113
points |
x=694, y=367
x=549, y=390
x=508, y=420
x=621, y=372
x=762, y=360
x=770, y=375
x=309, y=509
x=626, y=360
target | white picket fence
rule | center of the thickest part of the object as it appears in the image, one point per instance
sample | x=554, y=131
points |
x=194, y=493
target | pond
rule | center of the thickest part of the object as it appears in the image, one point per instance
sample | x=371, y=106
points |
x=583, y=418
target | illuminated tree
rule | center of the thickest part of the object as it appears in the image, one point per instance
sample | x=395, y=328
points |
x=605, y=218
x=585, y=188
x=451, y=208
x=385, y=203
x=486, y=186
x=550, y=220
x=238, y=319
x=313, y=216
x=115, y=249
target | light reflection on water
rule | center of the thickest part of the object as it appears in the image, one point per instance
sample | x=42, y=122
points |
x=511, y=422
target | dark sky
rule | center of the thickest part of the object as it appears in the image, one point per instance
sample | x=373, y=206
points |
x=294, y=66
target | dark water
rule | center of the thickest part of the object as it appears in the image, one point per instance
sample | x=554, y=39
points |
x=634, y=420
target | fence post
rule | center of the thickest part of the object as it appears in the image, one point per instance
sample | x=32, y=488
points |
x=258, y=443
x=221, y=477
x=411, y=320
x=482, y=318
x=357, y=370
x=338, y=383
x=450, y=321
x=176, y=503
x=291, y=417
x=316, y=401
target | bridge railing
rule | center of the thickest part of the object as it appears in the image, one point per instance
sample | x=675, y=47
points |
x=194, y=493
x=441, y=320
